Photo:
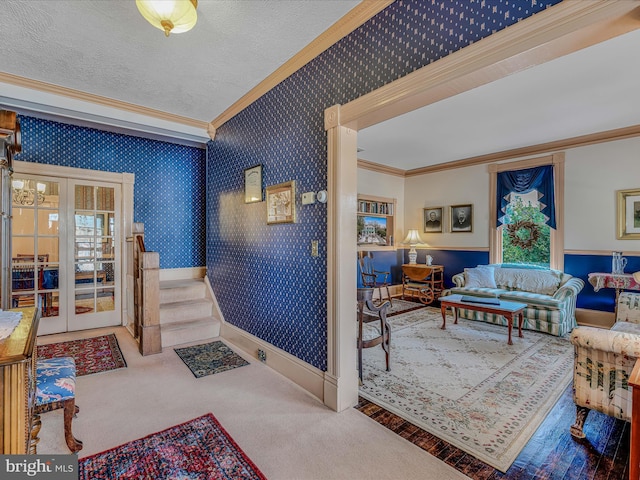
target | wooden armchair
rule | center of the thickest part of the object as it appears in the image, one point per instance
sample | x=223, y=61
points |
x=372, y=278
x=373, y=328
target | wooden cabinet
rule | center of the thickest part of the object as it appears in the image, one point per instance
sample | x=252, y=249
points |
x=423, y=281
x=376, y=221
x=18, y=385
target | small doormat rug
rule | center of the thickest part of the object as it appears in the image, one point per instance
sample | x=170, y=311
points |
x=92, y=355
x=210, y=358
x=198, y=449
x=466, y=385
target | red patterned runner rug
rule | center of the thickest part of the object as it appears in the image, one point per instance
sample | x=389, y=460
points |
x=197, y=449
x=92, y=355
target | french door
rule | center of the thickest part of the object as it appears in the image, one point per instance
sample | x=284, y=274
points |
x=66, y=251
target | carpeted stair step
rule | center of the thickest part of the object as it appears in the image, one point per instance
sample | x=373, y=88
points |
x=181, y=290
x=185, y=310
x=177, y=333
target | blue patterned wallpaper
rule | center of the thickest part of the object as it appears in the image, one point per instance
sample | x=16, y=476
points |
x=169, y=180
x=263, y=276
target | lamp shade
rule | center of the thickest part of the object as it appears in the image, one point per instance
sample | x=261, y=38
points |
x=413, y=238
x=172, y=16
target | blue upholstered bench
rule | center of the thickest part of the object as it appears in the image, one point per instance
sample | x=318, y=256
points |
x=56, y=388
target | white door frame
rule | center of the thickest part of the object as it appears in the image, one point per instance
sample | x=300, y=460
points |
x=126, y=180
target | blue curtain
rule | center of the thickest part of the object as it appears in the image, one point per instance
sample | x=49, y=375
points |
x=523, y=181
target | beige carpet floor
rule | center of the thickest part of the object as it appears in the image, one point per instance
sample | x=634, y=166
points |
x=286, y=432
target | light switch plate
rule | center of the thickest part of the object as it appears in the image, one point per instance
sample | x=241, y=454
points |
x=308, y=198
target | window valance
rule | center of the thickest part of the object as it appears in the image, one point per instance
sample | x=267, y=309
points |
x=524, y=181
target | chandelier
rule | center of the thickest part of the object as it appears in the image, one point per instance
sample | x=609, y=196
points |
x=24, y=195
x=172, y=16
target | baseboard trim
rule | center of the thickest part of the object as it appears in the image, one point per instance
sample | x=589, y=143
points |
x=182, y=273
x=301, y=373
x=594, y=318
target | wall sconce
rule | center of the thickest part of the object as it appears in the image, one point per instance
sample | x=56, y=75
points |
x=172, y=16
x=413, y=238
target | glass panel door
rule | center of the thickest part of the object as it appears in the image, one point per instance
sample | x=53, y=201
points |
x=94, y=287
x=36, y=256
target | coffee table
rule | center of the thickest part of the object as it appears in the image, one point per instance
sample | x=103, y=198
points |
x=507, y=309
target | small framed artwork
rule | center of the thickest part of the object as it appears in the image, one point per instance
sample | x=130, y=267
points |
x=281, y=203
x=628, y=215
x=253, y=184
x=461, y=218
x=433, y=220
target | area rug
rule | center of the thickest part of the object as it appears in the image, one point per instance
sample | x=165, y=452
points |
x=197, y=449
x=402, y=306
x=466, y=385
x=92, y=355
x=210, y=358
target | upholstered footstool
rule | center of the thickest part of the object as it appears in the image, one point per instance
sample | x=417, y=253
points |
x=56, y=388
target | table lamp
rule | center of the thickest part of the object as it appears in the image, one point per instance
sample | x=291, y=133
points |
x=413, y=238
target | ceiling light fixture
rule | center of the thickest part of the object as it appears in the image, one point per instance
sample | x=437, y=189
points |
x=172, y=16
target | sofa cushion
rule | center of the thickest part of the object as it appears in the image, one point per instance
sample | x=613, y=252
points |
x=533, y=299
x=626, y=327
x=478, y=291
x=482, y=277
x=545, y=282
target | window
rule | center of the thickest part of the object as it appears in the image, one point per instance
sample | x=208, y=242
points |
x=526, y=238
x=519, y=208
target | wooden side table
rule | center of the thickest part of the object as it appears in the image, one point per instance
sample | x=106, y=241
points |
x=424, y=281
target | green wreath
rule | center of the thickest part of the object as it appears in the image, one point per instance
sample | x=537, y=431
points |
x=523, y=233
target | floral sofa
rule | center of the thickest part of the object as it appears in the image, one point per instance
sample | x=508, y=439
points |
x=550, y=295
x=603, y=363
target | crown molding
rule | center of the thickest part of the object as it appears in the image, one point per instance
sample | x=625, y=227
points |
x=376, y=167
x=98, y=100
x=573, y=142
x=343, y=27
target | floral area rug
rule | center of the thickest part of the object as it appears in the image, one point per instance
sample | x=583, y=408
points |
x=210, y=358
x=197, y=449
x=92, y=355
x=466, y=385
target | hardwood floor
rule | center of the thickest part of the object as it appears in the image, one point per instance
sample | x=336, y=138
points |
x=550, y=454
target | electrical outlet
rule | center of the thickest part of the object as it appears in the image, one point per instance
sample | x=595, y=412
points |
x=314, y=248
x=262, y=355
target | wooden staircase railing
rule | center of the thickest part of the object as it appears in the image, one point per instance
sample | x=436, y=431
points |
x=146, y=295
x=634, y=449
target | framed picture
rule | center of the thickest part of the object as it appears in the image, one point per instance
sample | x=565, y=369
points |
x=628, y=215
x=372, y=230
x=433, y=220
x=253, y=184
x=281, y=203
x=461, y=218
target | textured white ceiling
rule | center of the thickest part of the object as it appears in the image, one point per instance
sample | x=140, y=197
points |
x=106, y=47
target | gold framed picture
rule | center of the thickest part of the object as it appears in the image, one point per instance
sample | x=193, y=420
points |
x=433, y=219
x=628, y=215
x=461, y=218
x=281, y=203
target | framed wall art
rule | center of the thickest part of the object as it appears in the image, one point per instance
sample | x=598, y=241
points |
x=433, y=219
x=253, y=184
x=281, y=203
x=628, y=215
x=461, y=218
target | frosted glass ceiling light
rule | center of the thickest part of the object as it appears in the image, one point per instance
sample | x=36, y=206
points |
x=172, y=16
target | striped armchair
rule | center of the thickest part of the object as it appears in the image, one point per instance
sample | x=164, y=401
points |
x=603, y=363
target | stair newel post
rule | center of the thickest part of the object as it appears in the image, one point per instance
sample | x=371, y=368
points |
x=150, y=337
